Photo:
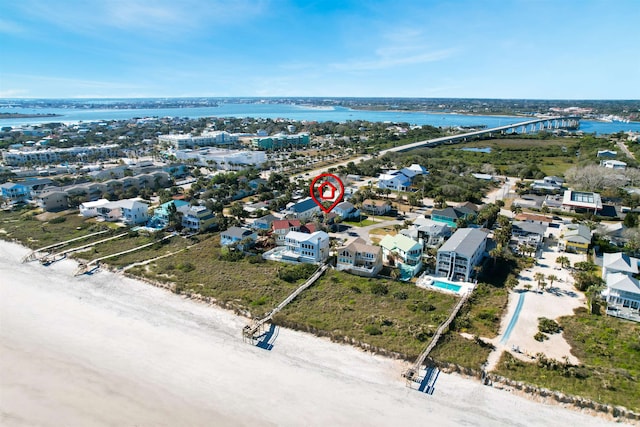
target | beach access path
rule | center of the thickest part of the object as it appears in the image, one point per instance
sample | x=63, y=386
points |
x=102, y=349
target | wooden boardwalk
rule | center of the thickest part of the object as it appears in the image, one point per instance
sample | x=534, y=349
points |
x=33, y=255
x=48, y=259
x=412, y=373
x=84, y=268
x=250, y=331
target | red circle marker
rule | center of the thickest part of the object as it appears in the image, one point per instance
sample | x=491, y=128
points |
x=329, y=188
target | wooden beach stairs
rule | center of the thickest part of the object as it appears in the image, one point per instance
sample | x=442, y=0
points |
x=411, y=374
x=36, y=254
x=250, y=331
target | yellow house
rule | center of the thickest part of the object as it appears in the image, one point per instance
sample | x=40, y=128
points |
x=576, y=238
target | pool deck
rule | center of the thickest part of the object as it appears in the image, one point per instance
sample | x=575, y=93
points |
x=426, y=282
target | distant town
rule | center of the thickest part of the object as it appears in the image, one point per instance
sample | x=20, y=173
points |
x=440, y=237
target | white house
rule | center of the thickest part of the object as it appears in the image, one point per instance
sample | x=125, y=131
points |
x=90, y=209
x=464, y=250
x=129, y=211
x=623, y=296
x=346, y=210
x=613, y=164
x=619, y=262
x=394, y=180
x=308, y=248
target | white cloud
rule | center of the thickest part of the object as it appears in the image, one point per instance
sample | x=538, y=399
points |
x=9, y=27
x=397, y=59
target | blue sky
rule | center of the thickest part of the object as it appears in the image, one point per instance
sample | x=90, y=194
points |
x=559, y=49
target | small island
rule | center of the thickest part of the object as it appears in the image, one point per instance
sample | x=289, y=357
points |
x=26, y=116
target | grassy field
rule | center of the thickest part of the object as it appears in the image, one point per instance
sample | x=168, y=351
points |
x=25, y=227
x=609, y=349
x=363, y=223
x=395, y=316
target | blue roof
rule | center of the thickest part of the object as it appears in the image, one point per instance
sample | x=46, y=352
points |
x=303, y=205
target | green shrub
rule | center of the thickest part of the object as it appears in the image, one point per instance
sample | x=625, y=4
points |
x=58, y=220
x=378, y=288
x=539, y=336
x=401, y=295
x=186, y=267
x=548, y=326
x=372, y=330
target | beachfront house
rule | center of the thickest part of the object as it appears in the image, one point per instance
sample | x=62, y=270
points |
x=460, y=253
x=402, y=252
x=613, y=164
x=623, y=296
x=281, y=227
x=308, y=248
x=90, y=209
x=14, y=193
x=619, y=262
x=357, y=257
x=576, y=238
x=129, y=211
x=52, y=201
x=238, y=237
x=162, y=213
x=197, y=218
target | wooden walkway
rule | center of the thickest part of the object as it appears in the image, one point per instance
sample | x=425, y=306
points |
x=412, y=373
x=84, y=268
x=48, y=259
x=250, y=331
x=33, y=255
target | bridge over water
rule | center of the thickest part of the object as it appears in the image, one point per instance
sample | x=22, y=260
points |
x=529, y=126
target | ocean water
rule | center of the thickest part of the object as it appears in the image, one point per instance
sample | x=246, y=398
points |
x=292, y=112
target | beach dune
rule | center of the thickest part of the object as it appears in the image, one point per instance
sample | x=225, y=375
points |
x=103, y=350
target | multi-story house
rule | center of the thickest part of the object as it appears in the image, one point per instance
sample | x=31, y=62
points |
x=576, y=238
x=52, y=201
x=14, y=193
x=130, y=211
x=283, y=226
x=460, y=253
x=528, y=233
x=162, y=213
x=376, y=207
x=394, y=180
x=402, y=252
x=619, y=272
x=308, y=248
x=197, y=218
x=357, y=257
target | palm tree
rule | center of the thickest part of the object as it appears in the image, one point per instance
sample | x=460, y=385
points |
x=593, y=292
x=552, y=278
x=539, y=277
x=563, y=261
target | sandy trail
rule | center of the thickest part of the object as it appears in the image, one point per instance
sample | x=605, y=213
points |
x=108, y=351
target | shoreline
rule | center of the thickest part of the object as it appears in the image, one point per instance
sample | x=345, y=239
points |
x=153, y=347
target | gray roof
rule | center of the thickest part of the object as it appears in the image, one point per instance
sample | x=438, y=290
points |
x=465, y=241
x=530, y=227
x=237, y=232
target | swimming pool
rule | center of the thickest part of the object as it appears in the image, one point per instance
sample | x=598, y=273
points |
x=447, y=286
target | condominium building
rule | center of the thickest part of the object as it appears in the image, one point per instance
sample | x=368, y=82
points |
x=464, y=250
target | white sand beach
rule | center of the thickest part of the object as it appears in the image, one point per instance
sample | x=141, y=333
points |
x=102, y=350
